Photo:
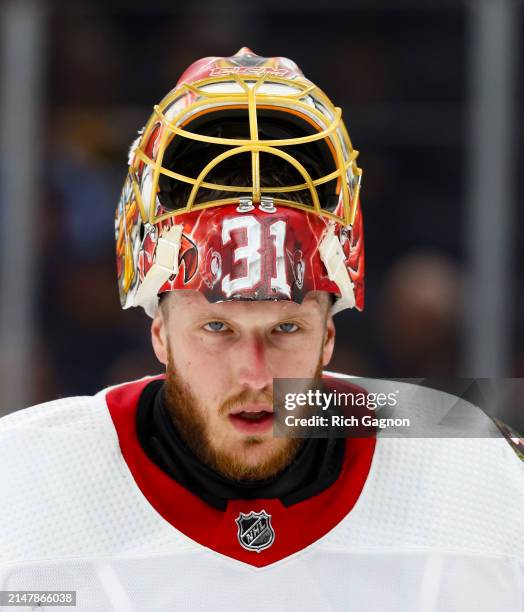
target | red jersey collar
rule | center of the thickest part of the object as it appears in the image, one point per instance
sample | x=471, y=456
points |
x=278, y=531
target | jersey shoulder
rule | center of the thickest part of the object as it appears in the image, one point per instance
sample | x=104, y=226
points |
x=69, y=413
x=73, y=414
x=437, y=414
x=66, y=484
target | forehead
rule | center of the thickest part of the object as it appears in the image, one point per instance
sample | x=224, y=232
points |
x=193, y=304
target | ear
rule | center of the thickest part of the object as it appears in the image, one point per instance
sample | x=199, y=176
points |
x=159, y=337
x=329, y=341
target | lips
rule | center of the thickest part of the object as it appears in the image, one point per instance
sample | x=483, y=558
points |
x=251, y=419
x=252, y=408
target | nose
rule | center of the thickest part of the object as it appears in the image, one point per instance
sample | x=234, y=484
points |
x=252, y=365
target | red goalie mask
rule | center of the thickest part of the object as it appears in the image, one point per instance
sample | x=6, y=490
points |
x=242, y=185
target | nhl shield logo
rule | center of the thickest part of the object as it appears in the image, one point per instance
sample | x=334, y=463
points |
x=255, y=531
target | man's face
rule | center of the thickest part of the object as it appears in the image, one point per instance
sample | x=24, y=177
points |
x=221, y=360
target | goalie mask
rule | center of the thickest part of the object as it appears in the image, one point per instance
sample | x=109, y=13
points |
x=242, y=185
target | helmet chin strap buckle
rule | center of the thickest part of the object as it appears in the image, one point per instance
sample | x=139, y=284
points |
x=266, y=205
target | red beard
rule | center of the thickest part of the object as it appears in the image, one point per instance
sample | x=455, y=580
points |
x=194, y=430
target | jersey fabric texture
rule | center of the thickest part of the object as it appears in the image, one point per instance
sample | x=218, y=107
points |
x=409, y=525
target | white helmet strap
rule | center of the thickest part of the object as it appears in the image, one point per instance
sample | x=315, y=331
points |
x=165, y=265
x=333, y=258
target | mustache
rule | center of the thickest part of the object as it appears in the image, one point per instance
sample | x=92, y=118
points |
x=245, y=397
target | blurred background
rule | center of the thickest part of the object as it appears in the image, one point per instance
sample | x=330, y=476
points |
x=431, y=92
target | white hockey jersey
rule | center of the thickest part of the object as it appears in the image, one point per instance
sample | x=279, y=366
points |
x=410, y=525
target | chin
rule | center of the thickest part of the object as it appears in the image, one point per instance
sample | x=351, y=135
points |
x=253, y=457
x=253, y=451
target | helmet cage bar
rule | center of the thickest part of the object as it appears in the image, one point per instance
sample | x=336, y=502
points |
x=236, y=188
x=255, y=141
x=329, y=125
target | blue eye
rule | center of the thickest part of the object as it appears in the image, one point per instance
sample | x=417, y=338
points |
x=215, y=326
x=287, y=328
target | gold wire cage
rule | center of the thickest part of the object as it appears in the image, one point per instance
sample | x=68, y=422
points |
x=299, y=97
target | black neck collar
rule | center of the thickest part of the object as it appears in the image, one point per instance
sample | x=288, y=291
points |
x=316, y=466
